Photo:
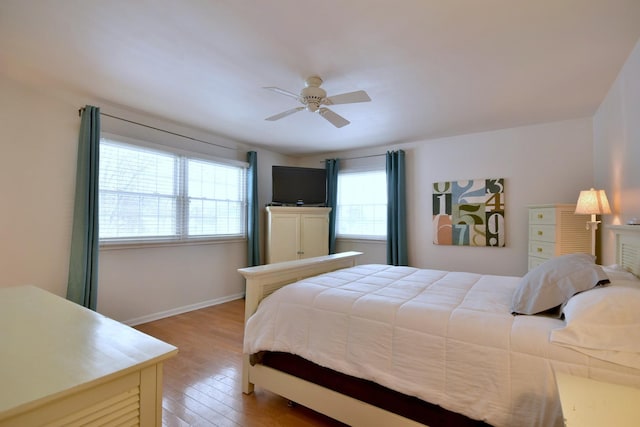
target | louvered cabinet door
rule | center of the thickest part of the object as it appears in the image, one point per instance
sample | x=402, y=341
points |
x=129, y=400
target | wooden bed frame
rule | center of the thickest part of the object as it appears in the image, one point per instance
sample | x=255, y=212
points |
x=261, y=282
x=265, y=279
x=627, y=247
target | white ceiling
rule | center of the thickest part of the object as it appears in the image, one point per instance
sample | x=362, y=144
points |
x=432, y=67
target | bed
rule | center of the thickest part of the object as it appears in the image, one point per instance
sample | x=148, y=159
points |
x=444, y=346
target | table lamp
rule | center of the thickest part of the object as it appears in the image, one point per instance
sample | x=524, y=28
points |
x=593, y=202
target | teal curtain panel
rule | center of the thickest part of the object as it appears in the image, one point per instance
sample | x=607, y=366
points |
x=396, y=209
x=82, y=286
x=253, y=222
x=332, y=166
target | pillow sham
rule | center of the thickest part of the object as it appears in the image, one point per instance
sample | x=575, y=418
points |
x=603, y=323
x=554, y=282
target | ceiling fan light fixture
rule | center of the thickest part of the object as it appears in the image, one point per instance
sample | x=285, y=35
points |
x=312, y=97
x=312, y=94
x=313, y=81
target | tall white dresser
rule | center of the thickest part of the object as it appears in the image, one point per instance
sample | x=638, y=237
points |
x=555, y=230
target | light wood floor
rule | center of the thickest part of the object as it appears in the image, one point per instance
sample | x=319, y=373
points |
x=202, y=383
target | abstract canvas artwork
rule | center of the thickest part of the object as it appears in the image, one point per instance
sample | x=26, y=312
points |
x=469, y=213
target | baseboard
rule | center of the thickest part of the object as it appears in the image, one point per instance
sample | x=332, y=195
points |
x=180, y=310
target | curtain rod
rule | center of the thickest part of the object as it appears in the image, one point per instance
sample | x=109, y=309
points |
x=358, y=157
x=161, y=130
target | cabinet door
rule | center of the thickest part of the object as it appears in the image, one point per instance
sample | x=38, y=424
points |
x=284, y=238
x=314, y=230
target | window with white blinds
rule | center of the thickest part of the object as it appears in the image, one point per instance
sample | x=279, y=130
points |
x=148, y=194
x=362, y=204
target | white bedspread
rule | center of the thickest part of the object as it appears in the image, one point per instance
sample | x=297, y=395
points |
x=445, y=337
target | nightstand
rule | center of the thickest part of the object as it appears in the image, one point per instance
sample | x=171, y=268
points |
x=586, y=402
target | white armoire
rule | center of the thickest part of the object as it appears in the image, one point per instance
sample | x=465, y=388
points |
x=296, y=233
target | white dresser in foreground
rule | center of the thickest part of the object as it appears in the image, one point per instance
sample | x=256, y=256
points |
x=62, y=364
x=555, y=230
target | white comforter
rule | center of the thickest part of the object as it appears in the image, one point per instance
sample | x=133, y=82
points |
x=445, y=337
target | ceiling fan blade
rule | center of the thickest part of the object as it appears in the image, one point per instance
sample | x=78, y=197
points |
x=333, y=118
x=284, y=114
x=282, y=92
x=348, y=98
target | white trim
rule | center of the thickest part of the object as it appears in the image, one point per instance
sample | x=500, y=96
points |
x=623, y=227
x=110, y=245
x=361, y=239
x=180, y=310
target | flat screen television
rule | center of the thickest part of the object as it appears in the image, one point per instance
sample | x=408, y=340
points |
x=299, y=186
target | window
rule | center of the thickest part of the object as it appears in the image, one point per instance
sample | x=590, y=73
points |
x=362, y=204
x=153, y=194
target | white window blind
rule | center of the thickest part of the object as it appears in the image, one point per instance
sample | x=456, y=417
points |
x=362, y=204
x=216, y=196
x=151, y=194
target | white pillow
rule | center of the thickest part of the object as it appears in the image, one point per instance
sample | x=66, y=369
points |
x=603, y=323
x=553, y=282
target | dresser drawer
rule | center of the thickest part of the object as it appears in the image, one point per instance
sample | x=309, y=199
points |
x=535, y=261
x=542, y=232
x=542, y=216
x=542, y=249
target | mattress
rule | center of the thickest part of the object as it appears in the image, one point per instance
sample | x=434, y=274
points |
x=444, y=337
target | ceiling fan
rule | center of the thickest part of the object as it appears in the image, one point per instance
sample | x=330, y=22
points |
x=313, y=99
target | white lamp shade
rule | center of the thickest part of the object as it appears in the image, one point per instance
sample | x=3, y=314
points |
x=593, y=202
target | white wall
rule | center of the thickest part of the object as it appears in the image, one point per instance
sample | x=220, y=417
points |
x=38, y=142
x=547, y=163
x=616, y=129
